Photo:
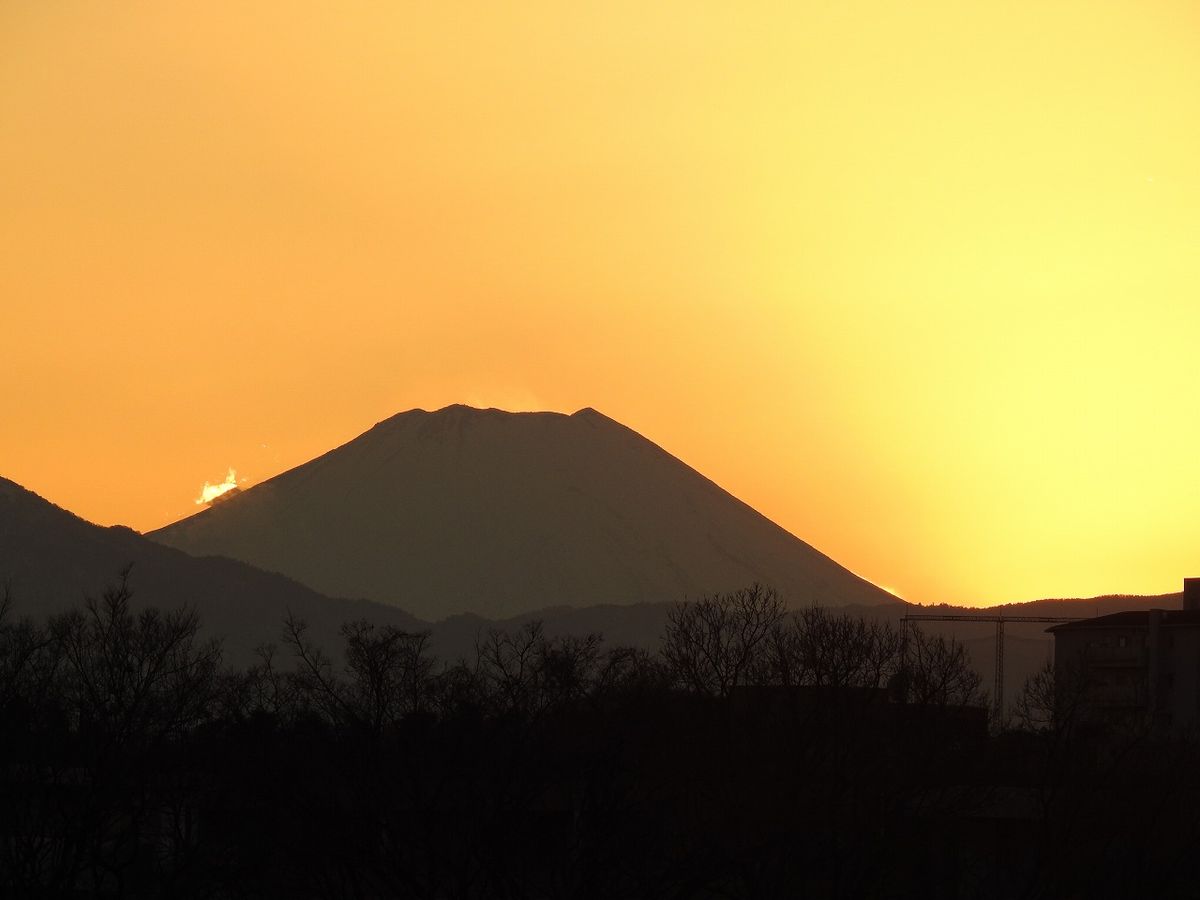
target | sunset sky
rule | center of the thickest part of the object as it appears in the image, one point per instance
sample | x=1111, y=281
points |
x=918, y=280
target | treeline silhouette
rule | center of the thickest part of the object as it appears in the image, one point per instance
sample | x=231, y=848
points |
x=760, y=753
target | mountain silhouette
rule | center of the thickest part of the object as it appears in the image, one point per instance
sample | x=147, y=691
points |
x=495, y=513
x=51, y=560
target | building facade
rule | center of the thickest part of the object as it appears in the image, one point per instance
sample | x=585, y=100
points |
x=1134, y=668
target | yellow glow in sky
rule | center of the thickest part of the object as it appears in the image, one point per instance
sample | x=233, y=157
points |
x=918, y=280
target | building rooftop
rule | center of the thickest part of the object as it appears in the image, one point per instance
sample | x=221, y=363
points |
x=1134, y=618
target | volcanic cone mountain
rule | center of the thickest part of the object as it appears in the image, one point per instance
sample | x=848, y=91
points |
x=497, y=513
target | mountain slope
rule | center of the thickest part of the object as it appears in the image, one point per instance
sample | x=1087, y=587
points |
x=52, y=559
x=496, y=513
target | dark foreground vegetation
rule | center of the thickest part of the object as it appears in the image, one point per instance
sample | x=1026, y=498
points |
x=759, y=754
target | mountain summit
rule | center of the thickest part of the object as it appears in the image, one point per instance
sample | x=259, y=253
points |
x=498, y=513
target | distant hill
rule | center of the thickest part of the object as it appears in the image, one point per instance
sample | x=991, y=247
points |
x=494, y=513
x=52, y=559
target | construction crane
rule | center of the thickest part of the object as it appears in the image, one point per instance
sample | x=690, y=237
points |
x=1000, y=621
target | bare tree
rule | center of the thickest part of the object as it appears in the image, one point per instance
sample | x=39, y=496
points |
x=822, y=649
x=1036, y=704
x=1053, y=699
x=262, y=688
x=387, y=674
x=134, y=687
x=938, y=672
x=315, y=684
x=714, y=644
x=527, y=672
x=29, y=659
x=143, y=676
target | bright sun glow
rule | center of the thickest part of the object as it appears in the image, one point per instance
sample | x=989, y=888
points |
x=211, y=492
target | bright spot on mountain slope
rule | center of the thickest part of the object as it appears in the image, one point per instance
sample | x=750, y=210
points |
x=210, y=492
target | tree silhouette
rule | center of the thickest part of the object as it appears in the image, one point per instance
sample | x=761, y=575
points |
x=714, y=644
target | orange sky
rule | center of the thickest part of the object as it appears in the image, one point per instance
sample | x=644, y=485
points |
x=919, y=280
